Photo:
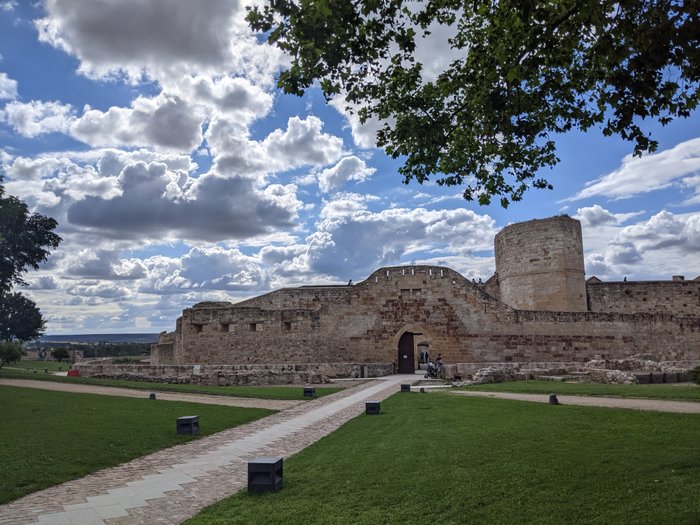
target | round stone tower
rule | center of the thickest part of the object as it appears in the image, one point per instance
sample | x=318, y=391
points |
x=540, y=265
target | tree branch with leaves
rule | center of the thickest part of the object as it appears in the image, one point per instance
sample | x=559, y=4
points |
x=526, y=70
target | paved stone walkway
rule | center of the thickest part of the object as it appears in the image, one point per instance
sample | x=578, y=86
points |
x=174, y=484
x=207, y=399
x=658, y=405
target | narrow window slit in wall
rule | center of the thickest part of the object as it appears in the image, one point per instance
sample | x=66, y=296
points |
x=198, y=327
x=286, y=326
x=255, y=327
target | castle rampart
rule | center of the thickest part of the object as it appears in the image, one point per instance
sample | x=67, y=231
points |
x=536, y=309
x=678, y=297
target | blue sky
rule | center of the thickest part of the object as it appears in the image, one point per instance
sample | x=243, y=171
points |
x=152, y=131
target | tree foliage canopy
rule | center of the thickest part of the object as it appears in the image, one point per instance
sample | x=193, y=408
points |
x=521, y=71
x=60, y=354
x=20, y=318
x=25, y=240
x=10, y=352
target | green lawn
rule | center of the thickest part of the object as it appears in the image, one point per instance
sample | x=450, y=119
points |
x=436, y=458
x=262, y=392
x=40, y=366
x=50, y=437
x=679, y=391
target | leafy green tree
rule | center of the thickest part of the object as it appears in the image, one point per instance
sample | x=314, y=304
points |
x=25, y=242
x=523, y=71
x=60, y=354
x=695, y=374
x=20, y=318
x=10, y=352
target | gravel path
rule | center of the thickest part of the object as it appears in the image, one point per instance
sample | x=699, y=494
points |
x=685, y=407
x=77, y=388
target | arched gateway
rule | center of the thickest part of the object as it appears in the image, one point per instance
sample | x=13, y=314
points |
x=406, y=357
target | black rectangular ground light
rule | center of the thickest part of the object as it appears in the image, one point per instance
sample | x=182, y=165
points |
x=265, y=475
x=372, y=408
x=405, y=388
x=309, y=392
x=188, y=425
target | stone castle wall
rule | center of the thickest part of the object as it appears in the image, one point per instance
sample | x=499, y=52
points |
x=254, y=375
x=363, y=323
x=539, y=265
x=537, y=308
x=680, y=298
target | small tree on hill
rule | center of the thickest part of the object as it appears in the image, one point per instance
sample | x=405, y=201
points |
x=60, y=354
x=10, y=352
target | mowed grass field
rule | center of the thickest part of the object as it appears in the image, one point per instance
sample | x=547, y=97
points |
x=261, y=392
x=40, y=366
x=675, y=391
x=437, y=458
x=47, y=438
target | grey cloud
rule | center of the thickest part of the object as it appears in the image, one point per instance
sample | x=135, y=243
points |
x=165, y=122
x=44, y=282
x=363, y=241
x=201, y=269
x=622, y=254
x=102, y=290
x=132, y=34
x=595, y=265
x=665, y=230
x=106, y=264
x=595, y=215
x=235, y=96
x=154, y=205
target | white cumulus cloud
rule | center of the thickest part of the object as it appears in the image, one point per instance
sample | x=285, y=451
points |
x=347, y=169
x=8, y=87
x=37, y=117
x=649, y=173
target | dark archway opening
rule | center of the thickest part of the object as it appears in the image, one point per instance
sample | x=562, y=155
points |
x=406, y=357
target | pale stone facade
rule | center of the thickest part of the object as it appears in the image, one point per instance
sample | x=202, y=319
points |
x=536, y=308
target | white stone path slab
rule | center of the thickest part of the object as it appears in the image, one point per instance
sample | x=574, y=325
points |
x=172, y=485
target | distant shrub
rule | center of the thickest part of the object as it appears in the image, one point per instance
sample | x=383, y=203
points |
x=10, y=351
x=695, y=374
x=126, y=360
x=60, y=354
